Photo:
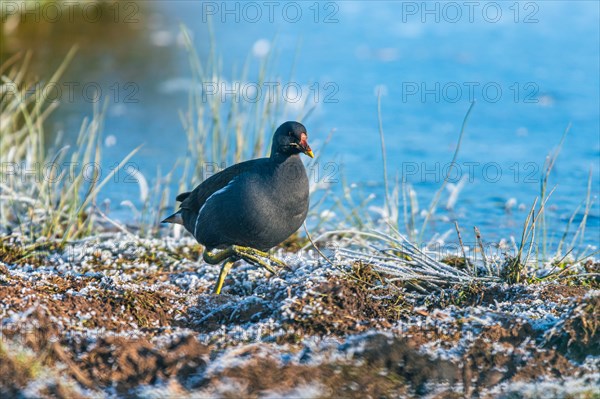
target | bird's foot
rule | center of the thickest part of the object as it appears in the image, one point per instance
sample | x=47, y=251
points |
x=251, y=255
x=258, y=258
x=229, y=255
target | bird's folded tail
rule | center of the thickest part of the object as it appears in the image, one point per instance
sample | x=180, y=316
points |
x=174, y=218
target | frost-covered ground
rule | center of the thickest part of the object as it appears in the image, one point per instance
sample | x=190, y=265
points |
x=120, y=315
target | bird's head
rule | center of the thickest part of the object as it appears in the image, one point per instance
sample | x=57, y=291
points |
x=290, y=138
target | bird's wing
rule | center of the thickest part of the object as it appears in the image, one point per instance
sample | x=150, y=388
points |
x=194, y=200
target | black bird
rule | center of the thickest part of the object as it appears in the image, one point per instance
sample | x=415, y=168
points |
x=252, y=206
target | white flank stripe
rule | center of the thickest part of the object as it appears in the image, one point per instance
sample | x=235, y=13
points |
x=206, y=202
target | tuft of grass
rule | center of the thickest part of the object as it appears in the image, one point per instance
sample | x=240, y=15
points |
x=38, y=197
x=517, y=265
x=520, y=267
x=514, y=270
x=399, y=260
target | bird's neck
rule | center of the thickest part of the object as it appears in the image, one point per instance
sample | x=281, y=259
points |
x=280, y=158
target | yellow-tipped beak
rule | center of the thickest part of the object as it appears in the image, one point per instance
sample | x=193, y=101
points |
x=310, y=153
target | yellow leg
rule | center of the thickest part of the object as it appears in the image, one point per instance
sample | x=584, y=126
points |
x=224, y=271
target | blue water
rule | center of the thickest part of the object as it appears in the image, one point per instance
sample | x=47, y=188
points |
x=545, y=62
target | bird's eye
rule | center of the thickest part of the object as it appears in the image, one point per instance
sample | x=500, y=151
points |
x=291, y=134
